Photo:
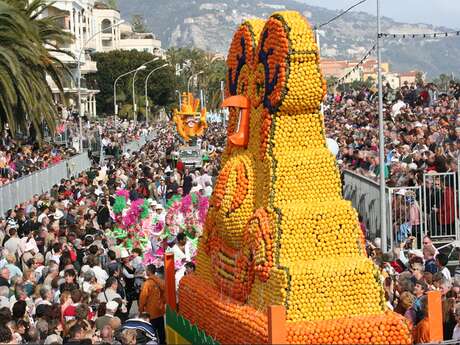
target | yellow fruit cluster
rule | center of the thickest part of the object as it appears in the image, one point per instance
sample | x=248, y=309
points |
x=298, y=132
x=334, y=288
x=315, y=230
x=322, y=183
x=305, y=83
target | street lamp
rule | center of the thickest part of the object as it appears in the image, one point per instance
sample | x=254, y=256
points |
x=115, y=106
x=190, y=79
x=180, y=99
x=79, y=77
x=146, y=100
x=383, y=211
x=134, y=89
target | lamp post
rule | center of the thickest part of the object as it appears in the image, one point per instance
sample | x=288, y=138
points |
x=134, y=88
x=190, y=79
x=146, y=100
x=180, y=99
x=79, y=78
x=115, y=106
x=383, y=223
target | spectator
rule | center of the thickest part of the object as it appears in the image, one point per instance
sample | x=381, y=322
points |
x=152, y=301
x=441, y=261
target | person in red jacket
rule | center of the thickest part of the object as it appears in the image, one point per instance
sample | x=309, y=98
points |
x=446, y=214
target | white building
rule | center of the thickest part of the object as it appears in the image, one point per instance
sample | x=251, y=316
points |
x=77, y=18
x=93, y=24
x=121, y=37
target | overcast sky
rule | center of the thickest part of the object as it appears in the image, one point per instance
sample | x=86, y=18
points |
x=436, y=12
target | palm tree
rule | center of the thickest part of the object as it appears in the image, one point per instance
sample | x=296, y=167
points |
x=28, y=42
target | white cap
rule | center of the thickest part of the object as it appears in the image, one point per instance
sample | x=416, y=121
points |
x=112, y=305
x=53, y=339
x=416, y=252
x=124, y=253
x=58, y=214
x=29, y=246
x=401, y=192
x=412, y=166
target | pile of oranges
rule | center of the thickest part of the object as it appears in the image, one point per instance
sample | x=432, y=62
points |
x=278, y=231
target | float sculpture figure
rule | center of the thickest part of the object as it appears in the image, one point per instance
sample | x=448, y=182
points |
x=278, y=231
x=190, y=122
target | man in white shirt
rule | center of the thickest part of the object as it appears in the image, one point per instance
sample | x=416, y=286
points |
x=12, y=245
x=43, y=215
x=207, y=189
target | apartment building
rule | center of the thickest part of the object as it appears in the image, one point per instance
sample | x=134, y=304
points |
x=76, y=18
x=94, y=26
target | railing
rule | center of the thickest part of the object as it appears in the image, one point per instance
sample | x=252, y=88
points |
x=364, y=195
x=432, y=208
x=136, y=145
x=39, y=182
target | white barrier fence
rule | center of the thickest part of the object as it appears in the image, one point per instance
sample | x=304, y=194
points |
x=411, y=211
x=41, y=181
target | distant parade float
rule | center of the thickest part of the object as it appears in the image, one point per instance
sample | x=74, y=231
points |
x=278, y=232
x=190, y=120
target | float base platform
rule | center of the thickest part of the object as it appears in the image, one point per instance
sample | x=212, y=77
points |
x=211, y=317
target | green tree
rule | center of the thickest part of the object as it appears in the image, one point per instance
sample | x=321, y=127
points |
x=419, y=78
x=138, y=23
x=192, y=61
x=113, y=4
x=26, y=57
x=111, y=65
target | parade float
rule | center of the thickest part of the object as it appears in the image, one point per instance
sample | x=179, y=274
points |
x=190, y=120
x=278, y=235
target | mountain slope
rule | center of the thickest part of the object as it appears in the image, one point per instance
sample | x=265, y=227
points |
x=209, y=24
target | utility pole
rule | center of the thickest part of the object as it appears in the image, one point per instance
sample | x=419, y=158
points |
x=383, y=211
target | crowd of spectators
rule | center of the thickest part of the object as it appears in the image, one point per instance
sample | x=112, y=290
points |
x=62, y=280
x=21, y=156
x=409, y=274
x=422, y=131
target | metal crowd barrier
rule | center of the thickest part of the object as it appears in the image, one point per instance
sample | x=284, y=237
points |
x=136, y=145
x=432, y=208
x=39, y=182
x=406, y=214
x=364, y=195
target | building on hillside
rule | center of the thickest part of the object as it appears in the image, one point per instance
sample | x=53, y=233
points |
x=408, y=77
x=92, y=25
x=76, y=18
x=121, y=37
x=366, y=71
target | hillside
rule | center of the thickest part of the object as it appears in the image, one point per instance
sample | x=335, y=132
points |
x=209, y=24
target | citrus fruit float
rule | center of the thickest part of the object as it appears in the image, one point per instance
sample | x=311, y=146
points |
x=190, y=122
x=278, y=231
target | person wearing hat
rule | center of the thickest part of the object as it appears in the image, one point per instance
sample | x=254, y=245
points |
x=105, y=320
x=160, y=214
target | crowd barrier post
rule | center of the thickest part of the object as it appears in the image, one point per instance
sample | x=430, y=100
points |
x=440, y=200
x=435, y=316
x=405, y=203
x=277, y=332
x=170, y=281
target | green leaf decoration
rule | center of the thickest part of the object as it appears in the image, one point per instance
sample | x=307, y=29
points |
x=186, y=329
x=194, y=198
x=119, y=205
x=119, y=233
x=145, y=209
